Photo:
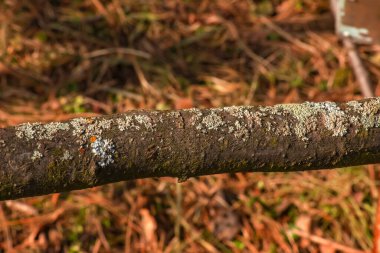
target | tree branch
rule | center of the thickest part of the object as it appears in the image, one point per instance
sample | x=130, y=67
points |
x=85, y=152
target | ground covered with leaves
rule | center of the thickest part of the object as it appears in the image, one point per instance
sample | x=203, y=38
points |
x=63, y=59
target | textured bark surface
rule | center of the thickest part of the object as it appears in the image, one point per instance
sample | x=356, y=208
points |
x=84, y=152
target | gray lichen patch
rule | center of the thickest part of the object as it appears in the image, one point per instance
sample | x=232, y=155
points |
x=252, y=115
x=145, y=121
x=371, y=106
x=39, y=131
x=248, y=117
x=104, y=124
x=104, y=151
x=334, y=118
x=307, y=117
x=26, y=130
x=212, y=121
x=236, y=111
x=310, y=115
x=66, y=156
x=175, y=114
x=126, y=123
x=253, y=118
x=135, y=122
x=79, y=126
x=36, y=155
x=85, y=128
x=365, y=113
x=195, y=117
x=241, y=132
x=52, y=128
x=97, y=127
x=354, y=106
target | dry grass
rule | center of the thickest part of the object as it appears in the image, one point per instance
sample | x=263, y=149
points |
x=60, y=59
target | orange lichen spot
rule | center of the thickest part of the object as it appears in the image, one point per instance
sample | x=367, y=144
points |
x=92, y=139
x=81, y=150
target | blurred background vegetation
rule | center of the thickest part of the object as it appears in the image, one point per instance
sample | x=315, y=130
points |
x=62, y=59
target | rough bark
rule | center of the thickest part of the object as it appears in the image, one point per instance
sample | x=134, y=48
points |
x=84, y=152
